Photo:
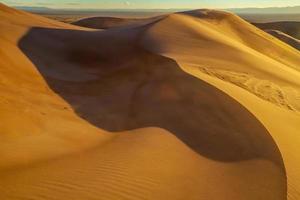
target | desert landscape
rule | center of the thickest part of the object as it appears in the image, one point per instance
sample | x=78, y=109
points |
x=187, y=105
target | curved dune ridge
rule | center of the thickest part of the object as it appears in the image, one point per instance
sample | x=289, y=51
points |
x=192, y=105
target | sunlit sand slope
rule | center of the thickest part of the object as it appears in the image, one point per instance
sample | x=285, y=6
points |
x=216, y=42
x=254, y=68
x=177, y=107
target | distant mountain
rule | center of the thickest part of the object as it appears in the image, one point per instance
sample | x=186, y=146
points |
x=270, y=10
x=33, y=8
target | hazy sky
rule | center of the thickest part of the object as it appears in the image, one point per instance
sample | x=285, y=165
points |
x=127, y=4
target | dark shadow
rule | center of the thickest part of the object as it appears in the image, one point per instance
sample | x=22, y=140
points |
x=105, y=22
x=115, y=84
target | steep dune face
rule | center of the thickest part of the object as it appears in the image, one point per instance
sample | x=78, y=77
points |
x=141, y=112
x=33, y=118
x=211, y=49
x=148, y=84
x=215, y=44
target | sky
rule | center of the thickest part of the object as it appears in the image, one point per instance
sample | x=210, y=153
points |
x=151, y=4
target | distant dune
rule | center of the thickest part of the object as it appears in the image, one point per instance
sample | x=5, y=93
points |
x=290, y=28
x=286, y=38
x=288, y=32
x=191, y=105
x=268, y=10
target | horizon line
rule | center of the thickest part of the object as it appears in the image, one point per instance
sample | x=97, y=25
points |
x=74, y=8
x=66, y=8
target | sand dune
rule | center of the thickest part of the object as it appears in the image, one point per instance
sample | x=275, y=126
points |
x=113, y=22
x=289, y=27
x=193, y=105
x=289, y=32
x=286, y=38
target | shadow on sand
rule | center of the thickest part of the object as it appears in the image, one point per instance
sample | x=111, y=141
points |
x=115, y=84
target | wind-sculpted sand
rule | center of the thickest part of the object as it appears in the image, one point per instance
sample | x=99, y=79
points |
x=128, y=112
x=285, y=97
